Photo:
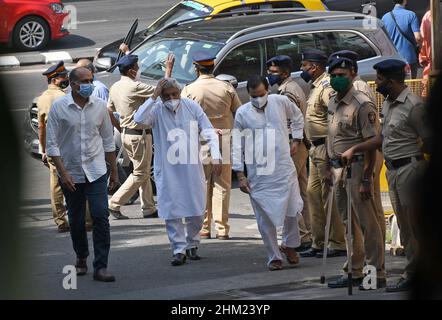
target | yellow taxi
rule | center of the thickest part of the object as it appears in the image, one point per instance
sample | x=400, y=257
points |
x=193, y=9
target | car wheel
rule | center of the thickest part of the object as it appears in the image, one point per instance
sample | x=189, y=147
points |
x=31, y=33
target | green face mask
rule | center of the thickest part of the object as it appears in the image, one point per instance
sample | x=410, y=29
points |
x=340, y=84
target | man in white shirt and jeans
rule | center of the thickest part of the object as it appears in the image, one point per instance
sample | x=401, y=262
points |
x=80, y=142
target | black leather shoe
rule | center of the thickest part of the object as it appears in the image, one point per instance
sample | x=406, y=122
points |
x=81, y=266
x=402, y=285
x=312, y=252
x=331, y=253
x=151, y=215
x=343, y=282
x=380, y=283
x=192, y=255
x=178, y=259
x=117, y=215
x=103, y=275
x=304, y=247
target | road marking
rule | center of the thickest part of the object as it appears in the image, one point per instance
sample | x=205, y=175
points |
x=19, y=110
x=23, y=71
x=253, y=226
x=9, y=61
x=91, y=21
x=52, y=57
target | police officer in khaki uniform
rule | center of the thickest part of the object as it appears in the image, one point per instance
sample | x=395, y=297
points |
x=353, y=120
x=404, y=138
x=125, y=97
x=362, y=86
x=57, y=77
x=279, y=70
x=316, y=128
x=219, y=101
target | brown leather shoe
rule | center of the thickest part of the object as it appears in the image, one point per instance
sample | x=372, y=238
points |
x=291, y=254
x=223, y=237
x=275, y=265
x=81, y=266
x=103, y=275
x=205, y=235
x=63, y=228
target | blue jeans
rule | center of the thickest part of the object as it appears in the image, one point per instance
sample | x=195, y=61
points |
x=96, y=194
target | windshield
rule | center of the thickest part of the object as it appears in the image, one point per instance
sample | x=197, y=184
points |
x=184, y=10
x=152, y=56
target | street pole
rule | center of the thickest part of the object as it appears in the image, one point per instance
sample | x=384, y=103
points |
x=435, y=41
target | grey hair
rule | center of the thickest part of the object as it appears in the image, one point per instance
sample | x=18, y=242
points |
x=171, y=83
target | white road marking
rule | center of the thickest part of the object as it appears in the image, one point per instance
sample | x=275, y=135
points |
x=91, y=21
x=19, y=110
x=9, y=61
x=253, y=226
x=52, y=57
x=23, y=71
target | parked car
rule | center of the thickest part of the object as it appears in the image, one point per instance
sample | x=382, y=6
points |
x=183, y=10
x=30, y=25
x=242, y=44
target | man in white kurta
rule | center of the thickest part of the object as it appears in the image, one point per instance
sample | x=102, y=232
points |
x=271, y=175
x=179, y=176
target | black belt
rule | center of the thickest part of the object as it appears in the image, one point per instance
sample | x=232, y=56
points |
x=338, y=164
x=137, y=132
x=396, y=164
x=318, y=142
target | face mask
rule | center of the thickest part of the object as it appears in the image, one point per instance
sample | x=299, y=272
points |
x=306, y=76
x=259, y=102
x=64, y=84
x=172, y=104
x=383, y=89
x=86, y=89
x=340, y=84
x=274, y=79
x=138, y=75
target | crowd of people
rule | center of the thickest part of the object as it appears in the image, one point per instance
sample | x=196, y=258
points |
x=336, y=129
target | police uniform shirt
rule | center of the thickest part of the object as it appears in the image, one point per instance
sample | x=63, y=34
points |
x=316, y=126
x=46, y=99
x=294, y=92
x=218, y=99
x=125, y=97
x=351, y=121
x=404, y=125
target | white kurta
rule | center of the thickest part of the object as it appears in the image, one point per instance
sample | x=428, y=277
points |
x=274, y=193
x=181, y=185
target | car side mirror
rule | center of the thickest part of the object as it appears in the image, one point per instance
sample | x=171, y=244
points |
x=228, y=78
x=103, y=63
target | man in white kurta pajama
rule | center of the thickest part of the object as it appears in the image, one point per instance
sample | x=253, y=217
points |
x=179, y=176
x=272, y=183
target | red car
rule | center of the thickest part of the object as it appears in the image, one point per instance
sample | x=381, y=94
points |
x=31, y=24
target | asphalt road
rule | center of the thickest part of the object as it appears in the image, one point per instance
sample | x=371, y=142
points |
x=103, y=21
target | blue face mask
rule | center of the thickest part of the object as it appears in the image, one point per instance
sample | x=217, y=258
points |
x=274, y=79
x=86, y=89
x=306, y=76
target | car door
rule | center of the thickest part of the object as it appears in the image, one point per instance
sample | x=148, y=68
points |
x=241, y=62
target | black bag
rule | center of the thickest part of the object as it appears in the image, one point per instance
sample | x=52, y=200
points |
x=412, y=41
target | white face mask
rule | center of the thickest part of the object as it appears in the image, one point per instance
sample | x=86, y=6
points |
x=172, y=104
x=259, y=102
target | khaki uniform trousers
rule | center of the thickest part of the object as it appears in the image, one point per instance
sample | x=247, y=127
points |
x=318, y=201
x=368, y=243
x=400, y=183
x=139, y=151
x=57, y=198
x=300, y=161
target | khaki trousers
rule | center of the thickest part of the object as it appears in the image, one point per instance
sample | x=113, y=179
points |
x=300, y=161
x=218, y=188
x=317, y=195
x=368, y=242
x=139, y=151
x=400, y=183
x=57, y=198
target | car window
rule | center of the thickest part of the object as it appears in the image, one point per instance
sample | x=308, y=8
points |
x=184, y=10
x=244, y=61
x=274, y=5
x=329, y=42
x=153, y=54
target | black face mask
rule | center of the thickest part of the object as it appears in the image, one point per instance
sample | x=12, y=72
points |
x=64, y=84
x=383, y=89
